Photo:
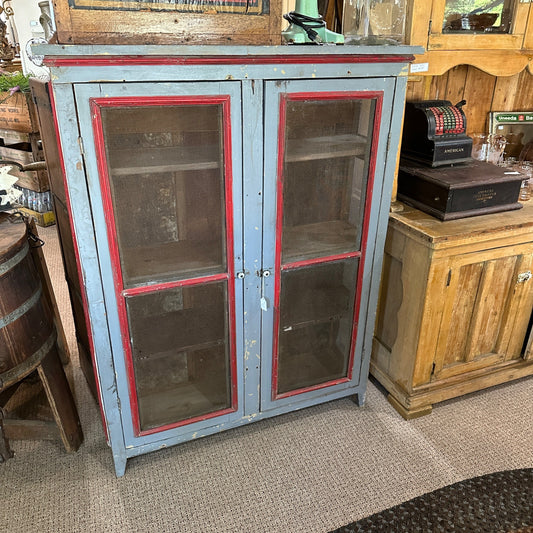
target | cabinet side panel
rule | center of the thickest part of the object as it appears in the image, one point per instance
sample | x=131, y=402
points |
x=413, y=268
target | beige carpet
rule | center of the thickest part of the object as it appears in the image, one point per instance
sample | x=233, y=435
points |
x=308, y=471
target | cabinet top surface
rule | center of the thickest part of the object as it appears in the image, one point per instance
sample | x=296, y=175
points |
x=451, y=232
x=281, y=51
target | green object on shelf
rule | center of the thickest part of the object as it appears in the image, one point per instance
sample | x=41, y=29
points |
x=306, y=26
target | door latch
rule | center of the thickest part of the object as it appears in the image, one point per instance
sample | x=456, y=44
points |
x=524, y=276
x=263, y=273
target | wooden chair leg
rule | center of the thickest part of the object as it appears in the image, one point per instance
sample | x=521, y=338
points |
x=59, y=395
x=5, y=450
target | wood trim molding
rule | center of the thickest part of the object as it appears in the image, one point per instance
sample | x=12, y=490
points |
x=495, y=62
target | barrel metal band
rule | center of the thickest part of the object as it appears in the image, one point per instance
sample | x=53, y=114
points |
x=15, y=260
x=19, y=311
x=20, y=371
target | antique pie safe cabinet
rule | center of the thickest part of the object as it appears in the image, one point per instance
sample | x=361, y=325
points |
x=229, y=208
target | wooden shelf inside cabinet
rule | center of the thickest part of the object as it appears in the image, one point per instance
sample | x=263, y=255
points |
x=325, y=238
x=192, y=398
x=329, y=147
x=328, y=367
x=322, y=306
x=132, y=162
x=156, y=264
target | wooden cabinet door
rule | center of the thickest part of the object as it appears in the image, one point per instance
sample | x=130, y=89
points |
x=440, y=26
x=163, y=167
x=322, y=191
x=487, y=308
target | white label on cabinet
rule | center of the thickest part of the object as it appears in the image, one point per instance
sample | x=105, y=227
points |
x=419, y=67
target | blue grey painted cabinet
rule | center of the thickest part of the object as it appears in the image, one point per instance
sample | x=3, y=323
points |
x=229, y=209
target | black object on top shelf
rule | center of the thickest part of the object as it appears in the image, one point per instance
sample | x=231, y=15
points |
x=434, y=133
x=459, y=191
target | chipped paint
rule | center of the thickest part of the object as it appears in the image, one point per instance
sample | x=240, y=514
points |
x=283, y=72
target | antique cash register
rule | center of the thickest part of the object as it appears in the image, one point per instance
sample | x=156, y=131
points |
x=437, y=173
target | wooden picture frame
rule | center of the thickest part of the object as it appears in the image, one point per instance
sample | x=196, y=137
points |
x=256, y=22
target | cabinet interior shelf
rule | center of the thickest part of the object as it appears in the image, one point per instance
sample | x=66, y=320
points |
x=167, y=262
x=318, y=307
x=314, y=148
x=318, y=239
x=306, y=369
x=134, y=161
x=160, y=407
x=193, y=347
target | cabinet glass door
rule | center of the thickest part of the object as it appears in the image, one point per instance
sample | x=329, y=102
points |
x=478, y=16
x=473, y=24
x=165, y=171
x=326, y=164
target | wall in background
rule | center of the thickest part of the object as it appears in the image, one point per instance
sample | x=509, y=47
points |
x=483, y=93
x=26, y=20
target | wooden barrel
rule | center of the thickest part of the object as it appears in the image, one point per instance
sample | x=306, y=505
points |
x=27, y=331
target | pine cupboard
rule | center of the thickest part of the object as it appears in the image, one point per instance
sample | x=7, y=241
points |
x=455, y=307
x=502, y=49
x=229, y=209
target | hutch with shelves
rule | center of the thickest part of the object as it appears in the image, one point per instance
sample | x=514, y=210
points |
x=229, y=208
x=457, y=32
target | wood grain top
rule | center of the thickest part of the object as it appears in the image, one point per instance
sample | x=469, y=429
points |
x=481, y=228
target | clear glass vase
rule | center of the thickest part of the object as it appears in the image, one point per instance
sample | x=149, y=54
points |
x=374, y=21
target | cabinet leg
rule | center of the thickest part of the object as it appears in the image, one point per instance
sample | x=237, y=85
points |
x=359, y=398
x=409, y=413
x=120, y=461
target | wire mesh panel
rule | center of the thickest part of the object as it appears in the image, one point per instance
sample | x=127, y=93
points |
x=166, y=185
x=324, y=179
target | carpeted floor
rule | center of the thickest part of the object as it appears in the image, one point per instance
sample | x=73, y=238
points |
x=308, y=471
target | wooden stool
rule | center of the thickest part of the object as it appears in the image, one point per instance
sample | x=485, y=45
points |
x=29, y=341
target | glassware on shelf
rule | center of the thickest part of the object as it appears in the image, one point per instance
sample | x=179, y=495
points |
x=526, y=167
x=496, y=148
x=477, y=16
x=374, y=21
x=480, y=146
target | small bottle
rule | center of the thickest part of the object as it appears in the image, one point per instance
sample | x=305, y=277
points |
x=525, y=191
x=526, y=168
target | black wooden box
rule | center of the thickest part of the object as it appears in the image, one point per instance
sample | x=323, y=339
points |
x=459, y=191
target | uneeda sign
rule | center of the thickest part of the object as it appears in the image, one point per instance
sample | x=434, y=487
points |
x=513, y=118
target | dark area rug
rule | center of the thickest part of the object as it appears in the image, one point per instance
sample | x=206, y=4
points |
x=501, y=502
